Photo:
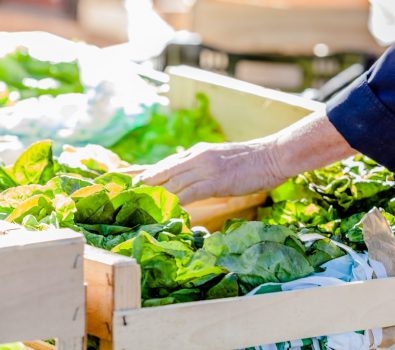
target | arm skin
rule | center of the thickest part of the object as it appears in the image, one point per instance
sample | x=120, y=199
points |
x=310, y=144
x=217, y=170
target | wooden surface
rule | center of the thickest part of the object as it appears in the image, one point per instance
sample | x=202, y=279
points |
x=212, y=213
x=113, y=283
x=326, y=4
x=42, y=290
x=40, y=345
x=284, y=27
x=245, y=111
x=240, y=322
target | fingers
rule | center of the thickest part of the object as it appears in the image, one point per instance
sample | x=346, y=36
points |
x=164, y=170
x=179, y=182
x=197, y=191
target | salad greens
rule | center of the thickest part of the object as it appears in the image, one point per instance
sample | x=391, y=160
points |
x=333, y=200
x=13, y=346
x=179, y=263
x=24, y=76
x=166, y=132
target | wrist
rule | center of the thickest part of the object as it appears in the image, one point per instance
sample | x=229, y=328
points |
x=269, y=161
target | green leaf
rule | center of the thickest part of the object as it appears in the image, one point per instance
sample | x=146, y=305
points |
x=38, y=206
x=68, y=183
x=160, y=133
x=35, y=165
x=243, y=235
x=123, y=180
x=6, y=181
x=322, y=251
x=146, y=205
x=199, y=269
x=267, y=262
x=93, y=205
x=25, y=75
x=13, y=346
x=227, y=287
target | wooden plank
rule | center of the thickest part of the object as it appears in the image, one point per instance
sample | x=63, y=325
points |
x=17, y=237
x=39, y=345
x=336, y=4
x=76, y=343
x=113, y=283
x=285, y=29
x=217, y=223
x=44, y=281
x=212, y=213
x=245, y=111
x=246, y=321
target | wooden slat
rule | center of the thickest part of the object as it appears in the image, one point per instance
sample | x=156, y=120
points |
x=42, y=288
x=40, y=345
x=76, y=343
x=246, y=321
x=283, y=28
x=212, y=213
x=245, y=111
x=113, y=283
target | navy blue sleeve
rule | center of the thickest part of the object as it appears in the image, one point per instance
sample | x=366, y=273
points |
x=364, y=112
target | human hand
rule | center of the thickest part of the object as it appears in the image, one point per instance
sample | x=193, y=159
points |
x=218, y=170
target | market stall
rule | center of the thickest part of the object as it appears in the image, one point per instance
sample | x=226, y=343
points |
x=299, y=265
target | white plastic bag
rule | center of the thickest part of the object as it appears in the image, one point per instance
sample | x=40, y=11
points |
x=148, y=33
x=382, y=21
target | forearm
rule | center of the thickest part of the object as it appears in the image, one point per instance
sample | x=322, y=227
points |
x=309, y=144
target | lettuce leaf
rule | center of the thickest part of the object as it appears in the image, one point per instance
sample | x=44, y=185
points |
x=164, y=133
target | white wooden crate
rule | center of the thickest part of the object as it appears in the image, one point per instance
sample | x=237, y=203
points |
x=42, y=293
x=115, y=314
x=114, y=311
x=287, y=27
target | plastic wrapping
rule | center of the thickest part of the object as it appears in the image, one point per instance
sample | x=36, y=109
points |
x=382, y=21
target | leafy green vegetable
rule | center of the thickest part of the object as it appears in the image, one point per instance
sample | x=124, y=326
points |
x=227, y=287
x=147, y=223
x=35, y=165
x=29, y=77
x=165, y=133
x=6, y=181
x=13, y=346
x=333, y=200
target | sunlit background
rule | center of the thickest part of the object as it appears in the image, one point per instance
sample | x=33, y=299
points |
x=293, y=45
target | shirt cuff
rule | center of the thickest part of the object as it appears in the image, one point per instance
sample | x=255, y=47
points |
x=365, y=122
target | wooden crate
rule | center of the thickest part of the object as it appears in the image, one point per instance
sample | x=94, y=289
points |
x=115, y=314
x=287, y=27
x=42, y=288
x=114, y=311
x=245, y=111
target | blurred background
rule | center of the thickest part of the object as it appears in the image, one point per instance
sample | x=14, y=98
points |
x=309, y=47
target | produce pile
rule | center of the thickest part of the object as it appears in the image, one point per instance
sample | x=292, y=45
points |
x=23, y=76
x=178, y=263
x=333, y=200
